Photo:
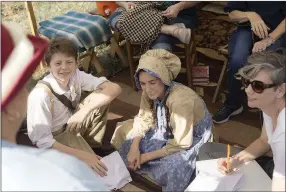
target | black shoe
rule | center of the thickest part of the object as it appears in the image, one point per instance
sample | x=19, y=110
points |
x=225, y=112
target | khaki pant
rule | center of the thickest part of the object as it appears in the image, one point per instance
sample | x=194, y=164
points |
x=93, y=128
x=122, y=132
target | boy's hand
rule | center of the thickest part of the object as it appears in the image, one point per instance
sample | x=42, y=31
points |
x=94, y=162
x=75, y=122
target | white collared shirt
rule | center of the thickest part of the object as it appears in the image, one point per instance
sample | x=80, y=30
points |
x=276, y=140
x=41, y=123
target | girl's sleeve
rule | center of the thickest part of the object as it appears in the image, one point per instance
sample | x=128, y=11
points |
x=182, y=123
x=144, y=119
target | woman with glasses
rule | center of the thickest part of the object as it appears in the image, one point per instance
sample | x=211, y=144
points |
x=264, y=82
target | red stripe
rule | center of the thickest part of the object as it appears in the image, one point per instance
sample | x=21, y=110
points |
x=7, y=45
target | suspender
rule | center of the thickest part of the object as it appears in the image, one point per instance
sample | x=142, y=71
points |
x=49, y=90
x=62, y=98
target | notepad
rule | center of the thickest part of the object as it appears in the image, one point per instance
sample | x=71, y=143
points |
x=210, y=179
x=118, y=175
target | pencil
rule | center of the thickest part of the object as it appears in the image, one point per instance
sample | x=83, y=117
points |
x=228, y=156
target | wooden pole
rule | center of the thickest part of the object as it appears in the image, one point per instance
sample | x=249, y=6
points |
x=32, y=18
x=33, y=22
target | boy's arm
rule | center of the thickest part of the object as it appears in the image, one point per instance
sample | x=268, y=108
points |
x=109, y=91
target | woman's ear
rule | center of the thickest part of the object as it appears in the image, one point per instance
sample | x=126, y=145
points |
x=281, y=90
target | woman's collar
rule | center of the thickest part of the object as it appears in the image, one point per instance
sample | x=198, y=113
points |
x=167, y=92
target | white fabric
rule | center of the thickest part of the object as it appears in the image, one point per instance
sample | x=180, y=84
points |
x=276, y=140
x=40, y=122
x=19, y=58
x=118, y=175
x=29, y=169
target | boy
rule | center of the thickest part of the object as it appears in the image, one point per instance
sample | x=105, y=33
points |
x=52, y=123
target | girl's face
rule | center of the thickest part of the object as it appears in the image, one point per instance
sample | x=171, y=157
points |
x=152, y=86
x=62, y=67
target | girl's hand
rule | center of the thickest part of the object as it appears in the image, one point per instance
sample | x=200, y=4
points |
x=133, y=158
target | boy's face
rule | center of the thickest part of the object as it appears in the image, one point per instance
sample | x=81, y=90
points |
x=62, y=67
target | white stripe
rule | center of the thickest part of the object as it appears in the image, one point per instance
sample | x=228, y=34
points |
x=18, y=60
x=82, y=28
x=70, y=35
x=96, y=24
x=15, y=31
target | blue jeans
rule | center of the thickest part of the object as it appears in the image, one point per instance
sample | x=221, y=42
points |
x=240, y=47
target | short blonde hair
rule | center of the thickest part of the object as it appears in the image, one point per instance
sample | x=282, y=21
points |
x=273, y=61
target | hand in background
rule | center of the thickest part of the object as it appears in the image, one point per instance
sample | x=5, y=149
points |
x=257, y=25
x=171, y=12
x=261, y=45
x=128, y=6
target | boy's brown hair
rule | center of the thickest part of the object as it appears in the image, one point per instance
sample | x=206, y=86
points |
x=60, y=45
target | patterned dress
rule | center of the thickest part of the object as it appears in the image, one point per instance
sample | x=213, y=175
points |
x=173, y=172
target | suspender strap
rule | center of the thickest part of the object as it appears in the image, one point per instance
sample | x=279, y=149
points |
x=62, y=98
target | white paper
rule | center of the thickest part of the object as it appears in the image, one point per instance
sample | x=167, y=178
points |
x=210, y=179
x=249, y=177
x=118, y=175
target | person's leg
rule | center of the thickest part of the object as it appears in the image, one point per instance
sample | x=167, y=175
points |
x=183, y=34
x=94, y=125
x=240, y=46
x=162, y=42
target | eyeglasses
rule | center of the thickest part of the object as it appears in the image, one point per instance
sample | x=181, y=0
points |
x=257, y=86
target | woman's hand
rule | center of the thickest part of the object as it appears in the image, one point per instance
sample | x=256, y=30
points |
x=94, y=162
x=262, y=45
x=133, y=157
x=222, y=165
x=257, y=25
x=171, y=12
